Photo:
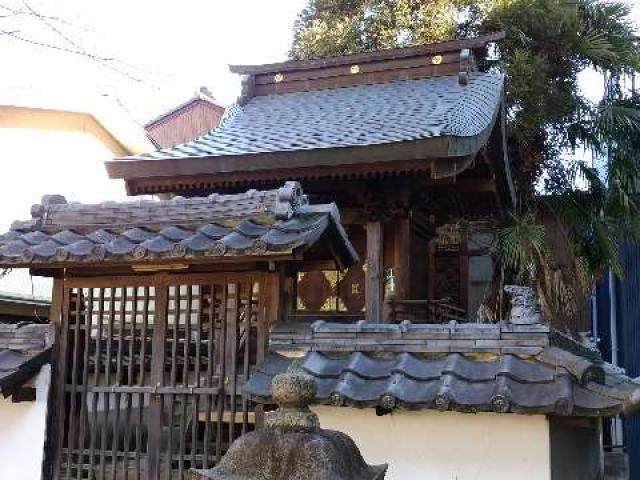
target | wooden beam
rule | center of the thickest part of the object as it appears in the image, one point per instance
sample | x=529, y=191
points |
x=388, y=54
x=374, y=274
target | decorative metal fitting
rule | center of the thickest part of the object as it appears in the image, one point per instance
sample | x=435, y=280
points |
x=278, y=77
x=355, y=69
x=436, y=59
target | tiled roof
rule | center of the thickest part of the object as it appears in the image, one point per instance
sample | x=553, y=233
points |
x=354, y=116
x=255, y=223
x=466, y=376
x=17, y=367
x=23, y=350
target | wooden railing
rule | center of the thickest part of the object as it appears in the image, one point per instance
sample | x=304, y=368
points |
x=426, y=311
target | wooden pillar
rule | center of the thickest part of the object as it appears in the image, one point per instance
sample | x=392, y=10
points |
x=374, y=274
x=402, y=259
x=157, y=375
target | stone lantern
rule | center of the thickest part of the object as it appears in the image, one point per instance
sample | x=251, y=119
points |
x=292, y=446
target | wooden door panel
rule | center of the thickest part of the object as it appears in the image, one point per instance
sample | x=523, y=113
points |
x=151, y=373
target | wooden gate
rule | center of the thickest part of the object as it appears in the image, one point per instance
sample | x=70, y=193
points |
x=149, y=373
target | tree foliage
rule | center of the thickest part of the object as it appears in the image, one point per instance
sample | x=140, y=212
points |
x=338, y=27
x=548, y=45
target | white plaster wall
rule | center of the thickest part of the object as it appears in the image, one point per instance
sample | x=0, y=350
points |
x=22, y=428
x=430, y=445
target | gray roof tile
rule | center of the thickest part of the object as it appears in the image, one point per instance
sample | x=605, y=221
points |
x=254, y=223
x=351, y=116
x=453, y=382
x=371, y=365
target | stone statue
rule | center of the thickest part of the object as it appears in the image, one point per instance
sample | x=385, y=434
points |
x=525, y=309
x=292, y=446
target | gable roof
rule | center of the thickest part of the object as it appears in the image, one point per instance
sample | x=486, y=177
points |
x=202, y=96
x=260, y=224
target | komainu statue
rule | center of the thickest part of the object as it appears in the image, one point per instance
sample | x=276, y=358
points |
x=525, y=309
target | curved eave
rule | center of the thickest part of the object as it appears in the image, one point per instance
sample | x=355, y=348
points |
x=438, y=149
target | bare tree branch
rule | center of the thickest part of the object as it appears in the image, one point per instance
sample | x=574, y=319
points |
x=16, y=13
x=73, y=47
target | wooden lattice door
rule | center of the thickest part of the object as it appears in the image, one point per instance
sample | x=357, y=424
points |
x=149, y=373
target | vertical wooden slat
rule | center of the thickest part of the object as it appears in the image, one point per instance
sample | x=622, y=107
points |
x=222, y=346
x=157, y=377
x=233, y=315
x=185, y=377
x=142, y=376
x=197, y=365
x=96, y=382
x=115, y=444
x=71, y=427
x=248, y=311
x=374, y=287
x=172, y=378
x=262, y=333
x=209, y=378
x=88, y=316
x=130, y=379
x=107, y=381
x=61, y=292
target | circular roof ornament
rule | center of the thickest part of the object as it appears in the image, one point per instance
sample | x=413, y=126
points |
x=61, y=254
x=259, y=247
x=442, y=402
x=387, y=401
x=139, y=252
x=218, y=249
x=27, y=255
x=436, y=59
x=500, y=404
x=278, y=77
x=336, y=399
x=99, y=252
x=179, y=250
x=355, y=69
